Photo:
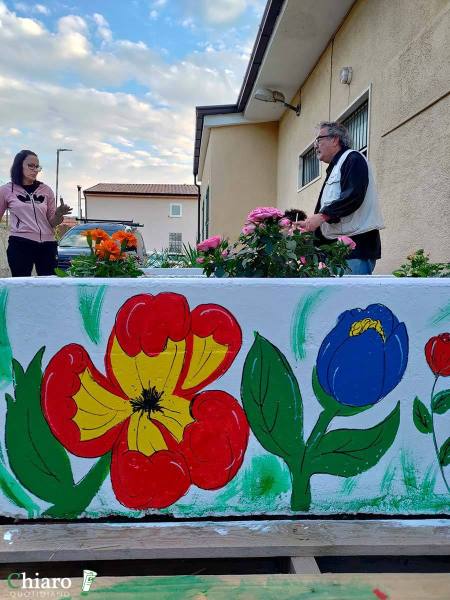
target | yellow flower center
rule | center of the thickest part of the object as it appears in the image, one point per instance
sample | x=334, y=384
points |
x=359, y=327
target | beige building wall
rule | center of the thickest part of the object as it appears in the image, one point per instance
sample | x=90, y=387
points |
x=152, y=212
x=401, y=51
x=241, y=172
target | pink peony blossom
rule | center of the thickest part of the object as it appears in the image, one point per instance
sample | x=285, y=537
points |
x=209, y=244
x=250, y=228
x=199, y=260
x=261, y=213
x=347, y=241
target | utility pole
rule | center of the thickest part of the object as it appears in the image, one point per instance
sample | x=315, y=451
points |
x=57, y=169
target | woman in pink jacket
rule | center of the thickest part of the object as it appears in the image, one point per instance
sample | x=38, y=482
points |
x=33, y=215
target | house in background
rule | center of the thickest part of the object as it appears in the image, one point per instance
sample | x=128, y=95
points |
x=382, y=68
x=167, y=211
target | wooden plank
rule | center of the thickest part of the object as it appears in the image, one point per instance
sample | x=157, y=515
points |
x=303, y=565
x=375, y=586
x=112, y=541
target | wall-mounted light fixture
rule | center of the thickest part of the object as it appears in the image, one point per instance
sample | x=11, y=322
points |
x=266, y=95
x=346, y=74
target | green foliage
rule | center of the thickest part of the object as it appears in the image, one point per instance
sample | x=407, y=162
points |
x=37, y=459
x=272, y=400
x=418, y=265
x=274, y=251
x=348, y=452
x=440, y=403
x=90, y=265
x=422, y=417
x=90, y=304
x=163, y=259
x=189, y=256
x=444, y=453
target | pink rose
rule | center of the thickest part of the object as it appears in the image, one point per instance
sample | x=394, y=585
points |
x=250, y=228
x=344, y=239
x=321, y=266
x=303, y=260
x=284, y=222
x=224, y=253
x=199, y=260
x=209, y=244
x=261, y=213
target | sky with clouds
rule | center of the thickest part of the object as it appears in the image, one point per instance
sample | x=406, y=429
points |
x=117, y=81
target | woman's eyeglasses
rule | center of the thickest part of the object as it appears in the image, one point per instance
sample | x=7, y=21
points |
x=37, y=168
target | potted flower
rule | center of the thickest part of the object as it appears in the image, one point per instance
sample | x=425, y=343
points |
x=271, y=245
x=107, y=258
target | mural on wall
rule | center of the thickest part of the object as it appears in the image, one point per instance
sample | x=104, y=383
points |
x=437, y=352
x=360, y=361
x=151, y=430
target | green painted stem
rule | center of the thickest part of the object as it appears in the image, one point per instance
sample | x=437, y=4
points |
x=301, y=468
x=436, y=448
x=301, y=487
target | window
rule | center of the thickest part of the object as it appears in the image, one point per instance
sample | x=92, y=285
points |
x=175, y=210
x=357, y=124
x=175, y=243
x=205, y=216
x=308, y=168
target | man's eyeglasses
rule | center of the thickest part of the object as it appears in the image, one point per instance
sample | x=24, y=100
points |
x=320, y=137
x=37, y=168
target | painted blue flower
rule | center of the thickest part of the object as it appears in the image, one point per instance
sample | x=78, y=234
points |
x=364, y=357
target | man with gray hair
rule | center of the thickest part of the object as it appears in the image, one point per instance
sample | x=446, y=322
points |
x=348, y=203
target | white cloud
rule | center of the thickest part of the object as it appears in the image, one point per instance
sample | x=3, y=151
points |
x=115, y=136
x=41, y=9
x=153, y=14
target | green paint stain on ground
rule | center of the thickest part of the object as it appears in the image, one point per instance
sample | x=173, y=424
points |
x=270, y=587
x=300, y=321
x=5, y=346
x=90, y=304
x=442, y=315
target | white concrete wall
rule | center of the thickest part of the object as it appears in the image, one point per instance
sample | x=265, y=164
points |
x=152, y=212
x=227, y=367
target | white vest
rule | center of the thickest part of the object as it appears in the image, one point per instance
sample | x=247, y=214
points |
x=365, y=218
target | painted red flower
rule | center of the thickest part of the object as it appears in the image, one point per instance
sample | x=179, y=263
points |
x=437, y=352
x=165, y=434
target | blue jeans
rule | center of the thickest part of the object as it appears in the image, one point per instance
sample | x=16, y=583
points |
x=361, y=266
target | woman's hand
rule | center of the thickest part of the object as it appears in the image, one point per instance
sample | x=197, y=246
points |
x=63, y=209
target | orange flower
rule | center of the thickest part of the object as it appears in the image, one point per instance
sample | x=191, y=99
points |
x=125, y=236
x=108, y=249
x=97, y=235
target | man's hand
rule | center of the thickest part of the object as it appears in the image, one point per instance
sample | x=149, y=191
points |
x=313, y=222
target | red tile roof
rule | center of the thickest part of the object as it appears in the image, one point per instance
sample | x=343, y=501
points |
x=147, y=189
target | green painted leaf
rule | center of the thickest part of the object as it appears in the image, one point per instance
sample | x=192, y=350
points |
x=444, y=453
x=15, y=492
x=330, y=404
x=36, y=457
x=272, y=400
x=441, y=402
x=78, y=498
x=421, y=416
x=348, y=452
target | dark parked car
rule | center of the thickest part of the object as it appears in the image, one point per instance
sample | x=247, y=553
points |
x=73, y=243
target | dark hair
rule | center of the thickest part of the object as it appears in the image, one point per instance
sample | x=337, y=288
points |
x=295, y=214
x=17, y=169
